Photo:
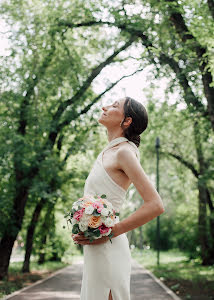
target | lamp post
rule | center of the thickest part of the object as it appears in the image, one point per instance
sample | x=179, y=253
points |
x=157, y=146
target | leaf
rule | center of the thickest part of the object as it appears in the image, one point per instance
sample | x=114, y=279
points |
x=97, y=233
x=75, y=229
x=95, y=213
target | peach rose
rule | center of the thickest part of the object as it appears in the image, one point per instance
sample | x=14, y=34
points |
x=95, y=222
x=87, y=203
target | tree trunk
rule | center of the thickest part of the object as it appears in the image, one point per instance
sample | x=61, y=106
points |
x=47, y=224
x=30, y=234
x=7, y=243
x=184, y=33
x=41, y=259
x=206, y=248
x=12, y=230
x=133, y=238
x=206, y=240
x=211, y=7
x=211, y=221
x=202, y=226
x=141, y=237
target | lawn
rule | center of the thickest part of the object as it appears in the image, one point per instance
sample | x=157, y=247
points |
x=187, y=278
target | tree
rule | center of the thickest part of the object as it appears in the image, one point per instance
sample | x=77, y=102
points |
x=55, y=115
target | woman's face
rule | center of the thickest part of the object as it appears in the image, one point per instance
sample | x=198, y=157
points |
x=112, y=114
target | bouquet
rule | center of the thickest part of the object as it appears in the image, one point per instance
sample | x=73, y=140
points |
x=92, y=215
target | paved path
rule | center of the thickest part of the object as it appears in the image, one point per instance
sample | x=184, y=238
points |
x=66, y=283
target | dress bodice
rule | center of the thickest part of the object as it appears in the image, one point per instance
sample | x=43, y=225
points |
x=100, y=182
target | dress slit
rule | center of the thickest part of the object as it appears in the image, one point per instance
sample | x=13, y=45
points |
x=110, y=291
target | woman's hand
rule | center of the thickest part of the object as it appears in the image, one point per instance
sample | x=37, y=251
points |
x=82, y=240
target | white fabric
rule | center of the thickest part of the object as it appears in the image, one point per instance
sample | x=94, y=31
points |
x=107, y=266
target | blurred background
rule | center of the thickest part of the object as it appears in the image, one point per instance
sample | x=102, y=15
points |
x=61, y=61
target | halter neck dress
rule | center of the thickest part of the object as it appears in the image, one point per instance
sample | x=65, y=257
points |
x=107, y=266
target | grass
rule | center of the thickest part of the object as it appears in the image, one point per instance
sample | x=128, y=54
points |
x=187, y=278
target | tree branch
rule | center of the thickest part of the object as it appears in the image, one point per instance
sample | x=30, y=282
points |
x=190, y=98
x=40, y=72
x=86, y=109
x=179, y=23
x=94, y=73
x=184, y=162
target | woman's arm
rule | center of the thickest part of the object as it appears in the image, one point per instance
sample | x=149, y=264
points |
x=152, y=206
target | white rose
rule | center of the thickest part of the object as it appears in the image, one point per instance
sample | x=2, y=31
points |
x=109, y=222
x=104, y=212
x=85, y=219
x=74, y=221
x=89, y=210
x=109, y=205
x=75, y=207
x=84, y=222
x=82, y=226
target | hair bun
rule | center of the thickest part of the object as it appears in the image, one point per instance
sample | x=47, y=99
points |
x=136, y=139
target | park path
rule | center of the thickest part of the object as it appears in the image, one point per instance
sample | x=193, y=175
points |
x=66, y=283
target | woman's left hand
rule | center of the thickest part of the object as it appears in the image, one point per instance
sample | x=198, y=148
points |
x=82, y=240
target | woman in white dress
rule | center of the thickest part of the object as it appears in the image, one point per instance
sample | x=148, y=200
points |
x=107, y=266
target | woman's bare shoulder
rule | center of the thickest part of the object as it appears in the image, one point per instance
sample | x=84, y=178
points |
x=125, y=148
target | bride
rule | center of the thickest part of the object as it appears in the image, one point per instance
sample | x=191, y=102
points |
x=107, y=266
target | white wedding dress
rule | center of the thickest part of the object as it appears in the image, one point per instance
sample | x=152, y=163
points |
x=107, y=266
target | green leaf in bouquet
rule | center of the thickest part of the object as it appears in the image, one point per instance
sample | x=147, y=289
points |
x=66, y=215
x=88, y=233
x=110, y=236
x=97, y=233
x=103, y=196
x=95, y=213
x=75, y=229
x=105, y=205
x=117, y=213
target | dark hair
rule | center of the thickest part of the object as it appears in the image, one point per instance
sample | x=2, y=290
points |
x=138, y=113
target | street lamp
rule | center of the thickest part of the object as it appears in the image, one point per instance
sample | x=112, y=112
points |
x=157, y=146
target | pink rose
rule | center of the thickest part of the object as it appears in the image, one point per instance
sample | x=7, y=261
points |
x=97, y=205
x=104, y=229
x=78, y=214
x=99, y=209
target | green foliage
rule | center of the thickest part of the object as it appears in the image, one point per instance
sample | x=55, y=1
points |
x=49, y=140
x=187, y=278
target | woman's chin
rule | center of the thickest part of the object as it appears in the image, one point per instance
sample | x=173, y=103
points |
x=101, y=121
